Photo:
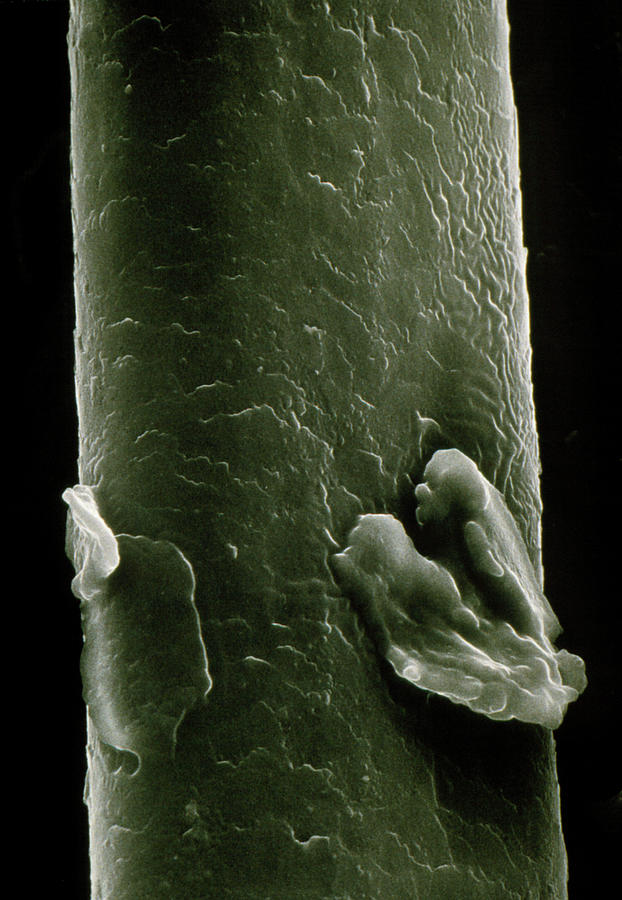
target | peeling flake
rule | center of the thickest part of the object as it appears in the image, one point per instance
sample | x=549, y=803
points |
x=472, y=625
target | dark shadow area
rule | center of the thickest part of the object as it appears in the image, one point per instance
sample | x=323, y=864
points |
x=566, y=66
x=44, y=619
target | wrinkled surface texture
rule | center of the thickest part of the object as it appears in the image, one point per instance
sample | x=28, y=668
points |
x=299, y=272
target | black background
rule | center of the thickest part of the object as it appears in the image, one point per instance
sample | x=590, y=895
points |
x=566, y=64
